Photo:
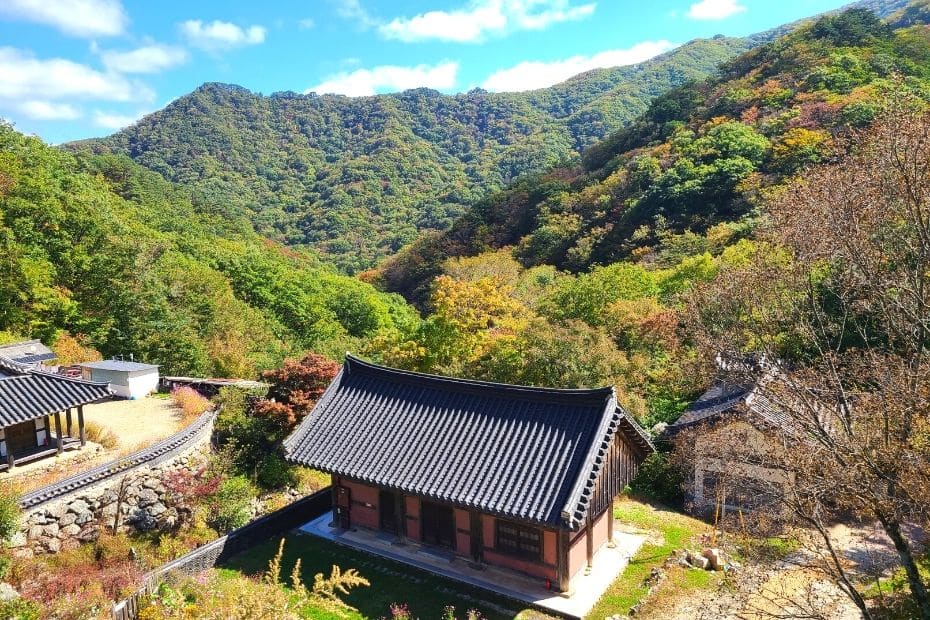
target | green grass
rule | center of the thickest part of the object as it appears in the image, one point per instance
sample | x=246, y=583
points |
x=892, y=594
x=668, y=531
x=391, y=582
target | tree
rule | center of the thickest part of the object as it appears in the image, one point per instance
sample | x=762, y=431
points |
x=295, y=388
x=833, y=324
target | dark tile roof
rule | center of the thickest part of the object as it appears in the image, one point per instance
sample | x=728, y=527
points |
x=726, y=399
x=27, y=394
x=526, y=453
x=27, y=352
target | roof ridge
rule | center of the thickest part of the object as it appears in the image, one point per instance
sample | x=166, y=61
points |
x=352, y=364
x=576, y=506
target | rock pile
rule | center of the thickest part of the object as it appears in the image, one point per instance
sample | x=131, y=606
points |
x=709, y=559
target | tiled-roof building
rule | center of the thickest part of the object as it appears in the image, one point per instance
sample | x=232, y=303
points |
x=29, y=399
x=518, y=477
x=732, y=413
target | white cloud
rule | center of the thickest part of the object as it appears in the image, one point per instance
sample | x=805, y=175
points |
x=531, y=75
x=82, y=18
x=353, y=10
x=715, y=9
x=307, y=23
x=218, y=35
x=146, y=59
x=23, y=76
x=115, y=120
x=47, y=111
x=388, y=78
x=482, y=18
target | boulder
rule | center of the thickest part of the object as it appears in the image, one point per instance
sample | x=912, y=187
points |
x=88, y=533
x=37, y=518
x=53, y=545
x=714, y=558
x=57, y=511
x=67, y=519
x=78, y=506
x=69, y=531
x=698, y=561
x=8, y=592
x=156, y=509
x=35, y=531
x=147, y=497
x=51, y=530
x=83, y=517
x=17, y=540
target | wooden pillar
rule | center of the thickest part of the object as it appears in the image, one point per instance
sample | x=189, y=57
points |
x=58, y=431
x=81, y=431
x=68, y=422
x=610, y=525
x=562, y=546
x=589, y=543
x=400, y=509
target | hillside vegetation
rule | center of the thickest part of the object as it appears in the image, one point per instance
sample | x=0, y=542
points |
x=101, y=248
x=577, y=277
x=692, y=173
x=358, y=178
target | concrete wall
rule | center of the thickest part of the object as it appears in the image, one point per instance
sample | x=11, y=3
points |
x=133, y=385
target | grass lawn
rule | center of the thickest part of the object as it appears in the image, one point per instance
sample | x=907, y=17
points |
x=668, y=531
x=426, y=594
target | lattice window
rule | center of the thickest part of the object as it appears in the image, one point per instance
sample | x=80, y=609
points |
x=520, y=541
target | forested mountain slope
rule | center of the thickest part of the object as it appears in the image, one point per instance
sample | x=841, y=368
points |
x=359, y=177
x=692, y=172
x=103, y=249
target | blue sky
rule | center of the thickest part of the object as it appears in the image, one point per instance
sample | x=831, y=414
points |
x=79, y=68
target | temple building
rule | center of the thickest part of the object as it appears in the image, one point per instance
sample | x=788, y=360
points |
x=522, y=478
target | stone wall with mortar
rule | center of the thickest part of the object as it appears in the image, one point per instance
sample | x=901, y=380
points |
x=81, y=516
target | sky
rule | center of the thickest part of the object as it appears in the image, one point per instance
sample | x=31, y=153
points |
x=73, y=69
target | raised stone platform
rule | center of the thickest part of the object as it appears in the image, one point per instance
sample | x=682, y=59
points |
x=586, y=589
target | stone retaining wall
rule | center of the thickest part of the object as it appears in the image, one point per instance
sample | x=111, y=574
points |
x=81, y=516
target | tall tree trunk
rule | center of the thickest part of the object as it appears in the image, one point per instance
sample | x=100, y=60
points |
x=918, y=589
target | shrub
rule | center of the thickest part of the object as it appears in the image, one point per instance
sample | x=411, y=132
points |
x=191, y=402
x=19, y=609
x=98, y=433
x=231, y=505
x=659, y=478
x=274, y=472
x=9, y=513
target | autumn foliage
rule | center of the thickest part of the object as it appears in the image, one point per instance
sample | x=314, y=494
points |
x=295, y=388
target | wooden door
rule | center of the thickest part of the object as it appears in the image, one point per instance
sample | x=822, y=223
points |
x=343, y=505
x=477, y=537
x=387, y=511
x=20, y=437
x=438, y=523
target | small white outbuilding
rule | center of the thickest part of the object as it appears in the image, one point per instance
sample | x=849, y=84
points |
x=126, y=379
